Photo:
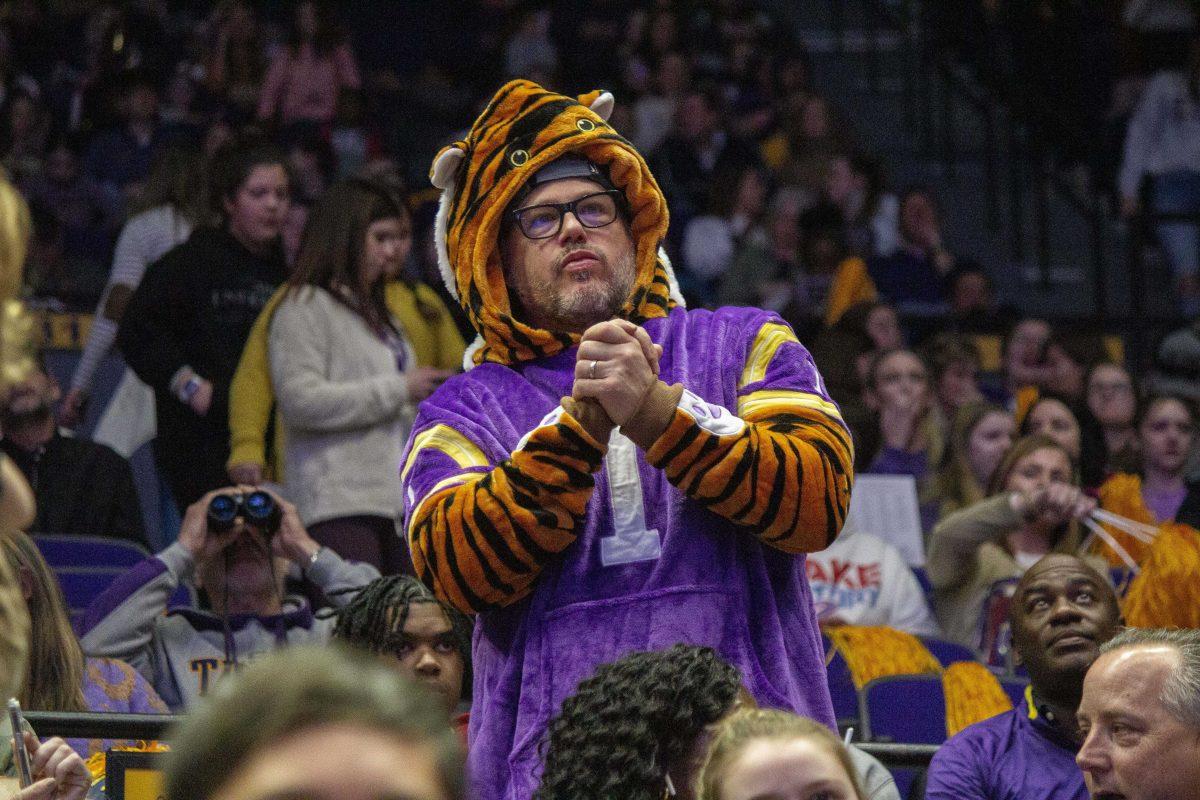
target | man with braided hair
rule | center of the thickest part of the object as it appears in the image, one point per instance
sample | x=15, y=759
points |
x=398, y=617
x=614, y=472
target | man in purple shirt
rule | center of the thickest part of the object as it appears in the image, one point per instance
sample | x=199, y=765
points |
x=1063, y=610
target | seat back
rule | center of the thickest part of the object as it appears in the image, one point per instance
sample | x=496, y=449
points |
x=86, y=565
x=1014, y=687
x=995, y=632
x=66, y=550
x=908, y=709
x=841, y=688
x=947, y=652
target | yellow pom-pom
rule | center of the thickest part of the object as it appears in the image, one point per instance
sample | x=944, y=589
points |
x=878, y=652
x=1166, y=594
x=973, y=694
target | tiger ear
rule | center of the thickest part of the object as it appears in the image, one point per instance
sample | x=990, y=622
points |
x=603, y=105
x=446, y=165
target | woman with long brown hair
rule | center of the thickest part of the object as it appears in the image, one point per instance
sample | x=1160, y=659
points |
x=1032, y=509
x=59, y=678
x=980, y=435
x=346, y=373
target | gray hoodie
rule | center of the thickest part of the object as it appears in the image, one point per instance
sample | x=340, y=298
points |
x=180, y=652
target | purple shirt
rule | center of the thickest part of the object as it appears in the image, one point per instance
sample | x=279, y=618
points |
x=1164, y=505
x=702, y=581
x=1013, y=756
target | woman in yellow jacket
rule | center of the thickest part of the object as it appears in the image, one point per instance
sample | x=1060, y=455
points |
x=427, y=323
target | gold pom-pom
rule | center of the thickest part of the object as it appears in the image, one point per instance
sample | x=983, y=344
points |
x=878, y=652
x=1166, y=594
x=973, y=694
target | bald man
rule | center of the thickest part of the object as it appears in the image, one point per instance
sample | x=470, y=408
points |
x=1061, y=614
x=1140, y=717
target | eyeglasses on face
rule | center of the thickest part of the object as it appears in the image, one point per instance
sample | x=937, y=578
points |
x=545, y=219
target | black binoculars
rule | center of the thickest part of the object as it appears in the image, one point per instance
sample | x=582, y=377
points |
x=258, y=509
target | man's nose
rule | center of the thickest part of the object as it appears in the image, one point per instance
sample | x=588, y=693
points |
x=427, y=664
x=1064, y=611
x=1092, y=756
x=572, y=229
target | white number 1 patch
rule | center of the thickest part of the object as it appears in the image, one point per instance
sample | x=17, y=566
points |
x=631, y=541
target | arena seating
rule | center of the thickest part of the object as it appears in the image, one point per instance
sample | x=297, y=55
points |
x=86, y=565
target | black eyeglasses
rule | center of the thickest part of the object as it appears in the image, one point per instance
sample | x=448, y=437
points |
x=545, y=220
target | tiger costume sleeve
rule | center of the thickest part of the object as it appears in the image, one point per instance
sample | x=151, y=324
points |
x=782, y=466
x=481, y=534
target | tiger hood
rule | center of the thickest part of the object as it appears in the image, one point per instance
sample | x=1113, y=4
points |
x=521, y=130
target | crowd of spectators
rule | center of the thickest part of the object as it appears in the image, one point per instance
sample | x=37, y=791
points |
x=233, y=189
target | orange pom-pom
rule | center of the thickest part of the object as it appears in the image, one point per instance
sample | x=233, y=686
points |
x=973, y=694
x=1166, y=594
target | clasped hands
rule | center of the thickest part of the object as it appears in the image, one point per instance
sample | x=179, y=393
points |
x=616, y=368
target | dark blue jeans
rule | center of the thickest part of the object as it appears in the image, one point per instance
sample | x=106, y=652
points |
x=1178, y=193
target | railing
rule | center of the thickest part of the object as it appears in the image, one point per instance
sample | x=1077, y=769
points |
x=1141, y=233
x=1030, y=176
x=88, y=725
x=156, y=726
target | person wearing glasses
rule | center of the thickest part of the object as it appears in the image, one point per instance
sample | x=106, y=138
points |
x=614, y=472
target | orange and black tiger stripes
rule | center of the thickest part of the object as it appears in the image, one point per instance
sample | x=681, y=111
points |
x=786, y=472
x=481, y=543
x=523, y=128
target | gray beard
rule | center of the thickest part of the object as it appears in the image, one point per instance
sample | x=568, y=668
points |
x=578, y=311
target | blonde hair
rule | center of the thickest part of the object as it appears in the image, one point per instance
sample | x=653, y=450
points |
x=744, y=727
x=54, y=681
x=14, y=630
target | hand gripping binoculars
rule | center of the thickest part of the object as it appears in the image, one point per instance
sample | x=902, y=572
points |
x=258, y=509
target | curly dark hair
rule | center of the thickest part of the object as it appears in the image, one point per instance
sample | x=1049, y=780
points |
x=625, y=726
x=377, y=614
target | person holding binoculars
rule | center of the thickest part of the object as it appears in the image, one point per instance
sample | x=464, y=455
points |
x=237, y=545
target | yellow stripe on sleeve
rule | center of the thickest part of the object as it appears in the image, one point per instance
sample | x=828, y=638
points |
x=755, y=403
x=768, y=341
x=445, y=483
x=445, y=440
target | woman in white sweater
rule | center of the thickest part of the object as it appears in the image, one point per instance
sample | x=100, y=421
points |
x=345, y=374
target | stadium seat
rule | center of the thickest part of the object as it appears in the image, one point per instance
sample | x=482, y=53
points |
x=841, y=688
x=947, y=652
x=908, y=709
x=86, y=565
x=995, y=632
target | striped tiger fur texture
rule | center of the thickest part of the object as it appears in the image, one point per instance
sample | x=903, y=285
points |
x=498, y=480
x=521, y=130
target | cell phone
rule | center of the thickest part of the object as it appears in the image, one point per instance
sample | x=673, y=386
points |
x=17, y=722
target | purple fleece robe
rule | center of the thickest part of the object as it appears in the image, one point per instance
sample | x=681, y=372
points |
x=713, y=584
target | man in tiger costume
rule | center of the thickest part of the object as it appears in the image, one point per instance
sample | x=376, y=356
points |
x=613, y=472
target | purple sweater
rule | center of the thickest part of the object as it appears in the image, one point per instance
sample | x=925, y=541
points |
x=112, y=686
x=677, y=573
